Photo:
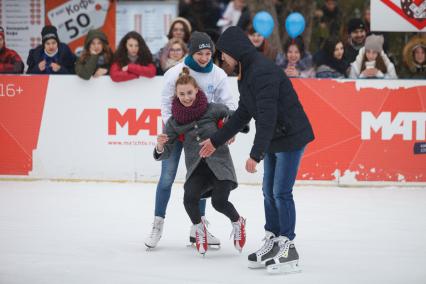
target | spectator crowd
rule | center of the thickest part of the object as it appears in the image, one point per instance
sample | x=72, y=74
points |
x=359, y=54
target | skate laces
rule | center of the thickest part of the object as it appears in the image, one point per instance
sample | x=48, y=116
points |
x=267, y=245
x=156, y=229
x=236, y=229
x=199, y=234
x=284, y=245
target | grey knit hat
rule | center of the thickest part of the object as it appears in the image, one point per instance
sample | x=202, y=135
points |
x=374, y=42
x=200, y=41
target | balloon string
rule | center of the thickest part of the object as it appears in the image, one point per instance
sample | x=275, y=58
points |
x=293, y=41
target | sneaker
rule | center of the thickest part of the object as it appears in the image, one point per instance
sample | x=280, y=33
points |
x=239, y=233
x=201, y=238
x=287, y=258
x=268, y=250
x=157, y=230
x=213, y=241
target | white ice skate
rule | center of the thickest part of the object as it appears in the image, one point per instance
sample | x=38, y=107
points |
x=201, y=238
x=157, y=230
x=212, y=240
x=287, y=259
x=268, y=250
x=239, y=233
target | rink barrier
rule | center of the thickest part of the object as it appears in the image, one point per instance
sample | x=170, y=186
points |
x=64, y=128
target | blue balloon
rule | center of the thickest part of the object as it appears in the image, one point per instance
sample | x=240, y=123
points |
x=295, y=24
x=263, y=23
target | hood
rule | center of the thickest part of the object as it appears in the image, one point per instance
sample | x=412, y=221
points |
x=94, y=34
x=407, y=53
x=235, y=43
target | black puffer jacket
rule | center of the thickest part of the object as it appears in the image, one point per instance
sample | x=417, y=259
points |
x=267, y=95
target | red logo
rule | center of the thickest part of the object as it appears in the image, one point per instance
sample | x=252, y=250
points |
x=148, y=120
x=414, y=11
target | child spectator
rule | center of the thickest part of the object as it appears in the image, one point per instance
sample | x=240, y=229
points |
x=296, y=61
x=372, y=62
x=195, y=119
x=10, y=61
x=329, y=60
x=414, y=56
x=96, y=56
x=356, y=40
x=52, y=56
x=173, y=53
x=132, y=60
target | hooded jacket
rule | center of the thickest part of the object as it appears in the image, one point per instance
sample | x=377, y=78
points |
x=267, y=95
x=85, y=70
x=414, y=69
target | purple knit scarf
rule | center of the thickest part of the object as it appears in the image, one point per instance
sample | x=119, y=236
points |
x=185, y=115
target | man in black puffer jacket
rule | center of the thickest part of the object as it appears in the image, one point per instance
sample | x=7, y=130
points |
x=282, y=132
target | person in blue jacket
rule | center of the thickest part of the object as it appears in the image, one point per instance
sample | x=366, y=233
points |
x=52, y=56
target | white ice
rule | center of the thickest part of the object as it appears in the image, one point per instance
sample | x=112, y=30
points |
x=59, y=232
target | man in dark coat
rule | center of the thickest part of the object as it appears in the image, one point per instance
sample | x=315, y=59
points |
x=282, y=132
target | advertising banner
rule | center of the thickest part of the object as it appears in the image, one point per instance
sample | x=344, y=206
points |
x=74, y=18
x=62, y=127
x=22, y=22
x=398, y=15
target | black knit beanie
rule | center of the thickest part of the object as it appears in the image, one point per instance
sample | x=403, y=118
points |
x=49, y=32
x=199, y=41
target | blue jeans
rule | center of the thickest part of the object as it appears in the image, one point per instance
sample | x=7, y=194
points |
x=169, y=169
x=280, y=171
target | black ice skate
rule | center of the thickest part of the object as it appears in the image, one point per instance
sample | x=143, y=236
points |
x=268, y=250
x=286, y=260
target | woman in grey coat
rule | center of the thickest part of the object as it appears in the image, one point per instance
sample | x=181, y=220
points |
x=193, y=120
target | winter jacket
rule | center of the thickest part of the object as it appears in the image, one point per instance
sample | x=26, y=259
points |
x=135, y=71
x=413, y=69
x=355, y=72
x=330, y=67
x=10, y=62
x=214, y=85
x=267, y=95
x=64, y=57
x=304, y=65
x=88, y=68
x=220, y=162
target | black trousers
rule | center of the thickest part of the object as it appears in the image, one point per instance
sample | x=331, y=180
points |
x=201, y=181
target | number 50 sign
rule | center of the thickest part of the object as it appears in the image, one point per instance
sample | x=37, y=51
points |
x=75, y=18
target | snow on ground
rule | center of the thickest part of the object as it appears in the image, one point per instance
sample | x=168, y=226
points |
x=58, y=232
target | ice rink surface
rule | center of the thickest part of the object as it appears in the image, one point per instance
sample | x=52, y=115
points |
x=71, y=233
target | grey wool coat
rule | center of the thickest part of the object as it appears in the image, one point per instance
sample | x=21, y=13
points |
x=195, y=132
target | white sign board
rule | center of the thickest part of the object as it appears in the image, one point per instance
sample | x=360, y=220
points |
x=22, y=22
x=151, y=19
x=398, y=15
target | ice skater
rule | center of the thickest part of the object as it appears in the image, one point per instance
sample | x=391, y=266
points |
x=193, y=119
x=282, y=132
x=213, y=82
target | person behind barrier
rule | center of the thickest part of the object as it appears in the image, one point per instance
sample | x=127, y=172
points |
x=10, y=61
x=296, y=60
x=330, y=62
x=414, y=56
x=132, y=60
x=174, y=52
x=372, y=62
x=52, y=56
x=96, y=57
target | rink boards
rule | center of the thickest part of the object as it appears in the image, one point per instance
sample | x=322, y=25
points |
x=61, y=127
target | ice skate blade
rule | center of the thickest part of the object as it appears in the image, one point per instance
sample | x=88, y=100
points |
x=256, y=265
x=212, y=247
x=192, y=241
x=284, y=268
x=149, y=248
